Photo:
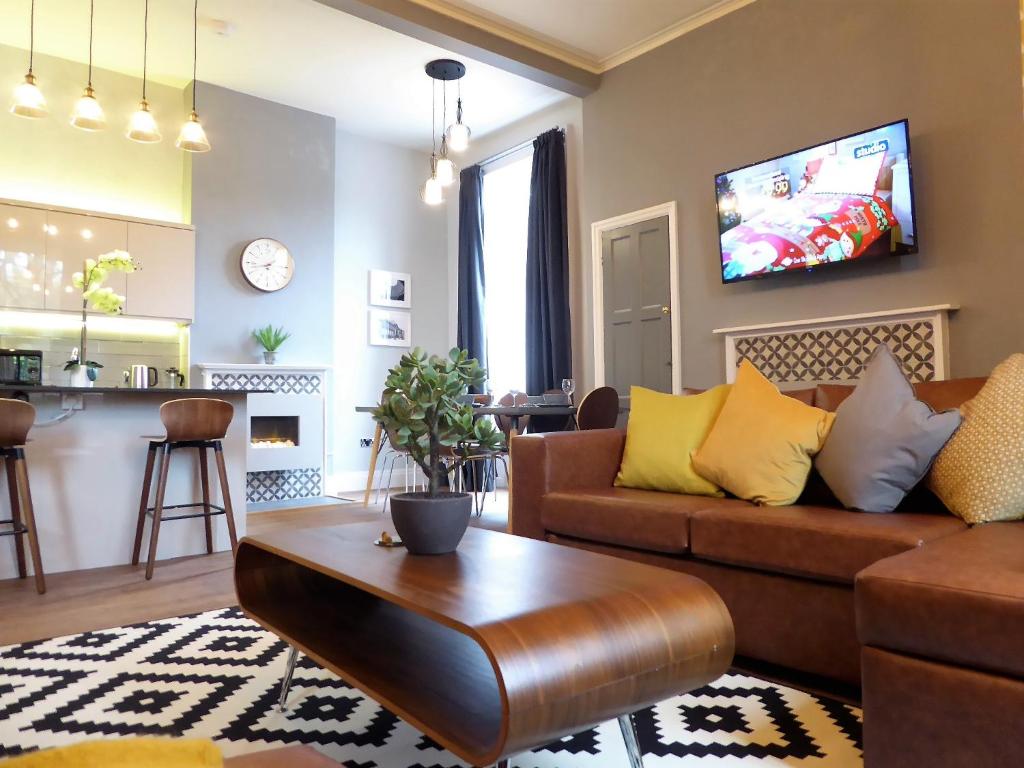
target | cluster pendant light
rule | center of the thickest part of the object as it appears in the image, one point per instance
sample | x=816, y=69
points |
x=88, y=114
x=454, y=138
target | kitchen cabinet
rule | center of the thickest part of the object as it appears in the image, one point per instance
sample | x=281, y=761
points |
x=71, y=238
x=22, y=257
x=164, y=286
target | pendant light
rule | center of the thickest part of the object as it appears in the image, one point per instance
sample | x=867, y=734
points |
x=192, y=137
x=432, y=193
x=442, y=169
x=445, y=167
x=88, y=114
x=28, y=99
x=142, y=126
x=458, y=133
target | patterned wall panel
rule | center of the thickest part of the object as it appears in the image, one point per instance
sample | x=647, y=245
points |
x=839, y=354
x=283, y=484
x=287, y=383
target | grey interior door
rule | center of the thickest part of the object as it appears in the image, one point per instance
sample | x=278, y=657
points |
x=637, y=324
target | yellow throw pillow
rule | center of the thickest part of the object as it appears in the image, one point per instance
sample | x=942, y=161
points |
x=979, y=474
x=760, y=448
x=662, y=433
x=125, y=753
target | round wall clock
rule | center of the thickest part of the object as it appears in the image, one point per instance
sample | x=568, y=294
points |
x=267, y=265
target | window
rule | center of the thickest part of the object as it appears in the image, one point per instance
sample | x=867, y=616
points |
x=506, y=202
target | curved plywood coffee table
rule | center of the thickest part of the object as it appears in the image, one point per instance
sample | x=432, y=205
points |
x=505, y=645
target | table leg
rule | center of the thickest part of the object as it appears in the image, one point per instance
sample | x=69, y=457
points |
x=636, y=759
x=374, y=451
x=286, y=683
x=512, y=432
x=506, y=763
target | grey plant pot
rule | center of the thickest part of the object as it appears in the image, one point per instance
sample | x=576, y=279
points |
x=431, y=526
x=269, y=357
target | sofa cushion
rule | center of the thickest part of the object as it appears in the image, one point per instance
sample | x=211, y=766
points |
x=820, y=542
x=883, y=440
x=627, y=517
x=760, y=448
x=958, y=600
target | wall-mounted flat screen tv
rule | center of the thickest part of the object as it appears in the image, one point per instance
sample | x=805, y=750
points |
x=847, y=200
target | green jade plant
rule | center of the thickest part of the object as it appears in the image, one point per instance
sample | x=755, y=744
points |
x=101, y=298
x=422, y=410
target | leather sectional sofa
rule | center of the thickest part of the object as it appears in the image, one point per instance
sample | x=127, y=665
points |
x=920, y=612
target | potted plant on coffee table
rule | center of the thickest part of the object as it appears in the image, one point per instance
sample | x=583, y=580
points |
x=423, y=411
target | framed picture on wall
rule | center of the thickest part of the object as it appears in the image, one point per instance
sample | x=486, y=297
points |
x=390, y=329
x=390, y=289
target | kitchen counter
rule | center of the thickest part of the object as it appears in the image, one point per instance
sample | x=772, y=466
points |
x=35, y=389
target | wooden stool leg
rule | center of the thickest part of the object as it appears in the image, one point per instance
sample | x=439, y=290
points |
x=222, y=473
x=19, y=543
x=158, y=507
x=21, y=472
x=147, y=483
x=204, y=475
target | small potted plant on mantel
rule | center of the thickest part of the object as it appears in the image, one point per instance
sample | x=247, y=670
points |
x=89, y=282
x=271, y=339
x=423, y=411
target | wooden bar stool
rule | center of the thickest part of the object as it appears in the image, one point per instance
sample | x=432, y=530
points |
x=199, y=423
x=16, y=419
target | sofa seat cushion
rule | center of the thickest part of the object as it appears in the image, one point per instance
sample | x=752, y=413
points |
x=958, y=600
x=627, y=517
x=819, y=542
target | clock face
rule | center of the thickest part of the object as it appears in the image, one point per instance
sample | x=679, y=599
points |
x=267, y=265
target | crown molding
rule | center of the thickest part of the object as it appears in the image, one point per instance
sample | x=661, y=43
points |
x=572, y=57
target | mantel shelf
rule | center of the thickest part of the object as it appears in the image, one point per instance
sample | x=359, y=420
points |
x=819, y=321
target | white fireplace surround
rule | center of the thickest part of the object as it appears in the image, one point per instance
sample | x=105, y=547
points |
x=835, y=349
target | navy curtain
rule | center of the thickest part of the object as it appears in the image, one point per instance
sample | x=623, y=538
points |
x=548, y=331
x=472, y=335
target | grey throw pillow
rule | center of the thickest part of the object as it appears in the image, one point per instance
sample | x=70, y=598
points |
x=883, y=439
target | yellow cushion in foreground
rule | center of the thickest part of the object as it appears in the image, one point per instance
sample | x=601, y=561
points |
x=979, y=474
x=761, y=446
x=662, y=433
x=125, y=753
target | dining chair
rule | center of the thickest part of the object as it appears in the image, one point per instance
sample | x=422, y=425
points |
x=599, y=409
x=505, y=423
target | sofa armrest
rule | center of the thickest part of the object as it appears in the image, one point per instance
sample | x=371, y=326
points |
x=558, y=461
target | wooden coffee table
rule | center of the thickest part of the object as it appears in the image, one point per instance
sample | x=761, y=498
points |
x=506, y=645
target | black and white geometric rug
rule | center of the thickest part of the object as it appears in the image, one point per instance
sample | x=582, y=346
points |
x=216, y=675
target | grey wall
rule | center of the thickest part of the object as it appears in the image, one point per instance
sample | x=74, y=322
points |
x=778, y=75
x=380, y=223
x=270, y=174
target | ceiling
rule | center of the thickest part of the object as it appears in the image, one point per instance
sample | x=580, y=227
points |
x=592, y=34
x=294, y=52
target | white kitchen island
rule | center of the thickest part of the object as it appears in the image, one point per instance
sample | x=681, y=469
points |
x=86, y=456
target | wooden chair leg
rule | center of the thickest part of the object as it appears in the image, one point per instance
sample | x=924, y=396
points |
x=222, y=473
x=204, y=476
x=19, y=543
x=158, y=507
x=21, y=472
x=147, y=483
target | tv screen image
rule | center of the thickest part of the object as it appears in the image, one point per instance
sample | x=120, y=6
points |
x=845, y=200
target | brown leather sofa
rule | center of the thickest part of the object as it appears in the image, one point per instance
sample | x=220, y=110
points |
x=939, y=607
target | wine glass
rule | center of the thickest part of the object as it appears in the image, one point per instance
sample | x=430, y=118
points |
x=568, y=387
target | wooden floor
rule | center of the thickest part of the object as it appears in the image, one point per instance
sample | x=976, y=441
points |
x=78, y=601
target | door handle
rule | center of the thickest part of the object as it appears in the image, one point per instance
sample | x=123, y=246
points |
x=666, y=311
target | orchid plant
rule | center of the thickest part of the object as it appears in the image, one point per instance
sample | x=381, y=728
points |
x=100, y=298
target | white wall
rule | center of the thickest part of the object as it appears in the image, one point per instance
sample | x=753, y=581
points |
x=380, y=223
x=567, y=114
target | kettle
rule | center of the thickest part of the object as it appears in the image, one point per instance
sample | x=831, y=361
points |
x=175, y=378
x=140, y=376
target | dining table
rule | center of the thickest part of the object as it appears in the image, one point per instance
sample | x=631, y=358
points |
x=514, y=413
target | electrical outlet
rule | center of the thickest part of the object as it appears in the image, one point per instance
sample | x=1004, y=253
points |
x=365, y=442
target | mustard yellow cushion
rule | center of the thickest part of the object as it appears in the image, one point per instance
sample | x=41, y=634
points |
x=761, y=446
x=125, y=753
x=662, y=433
x=979, y=474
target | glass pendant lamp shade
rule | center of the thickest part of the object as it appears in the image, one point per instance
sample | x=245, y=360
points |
x=28, y=99
x=432, y=192
x=192, y=137
x=142, y=126
x=458, y=137
x=445, y=172
x=88, y=114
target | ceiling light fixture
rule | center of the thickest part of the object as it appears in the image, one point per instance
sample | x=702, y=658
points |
x=442, y=169
x=192, y=137
x=142, y=126
x=28, y=99
x=458, y=133
x=88, y=114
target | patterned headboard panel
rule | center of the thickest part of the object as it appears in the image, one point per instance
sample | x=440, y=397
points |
x=836, y=349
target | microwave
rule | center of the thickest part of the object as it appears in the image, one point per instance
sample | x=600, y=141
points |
x=21, y=366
